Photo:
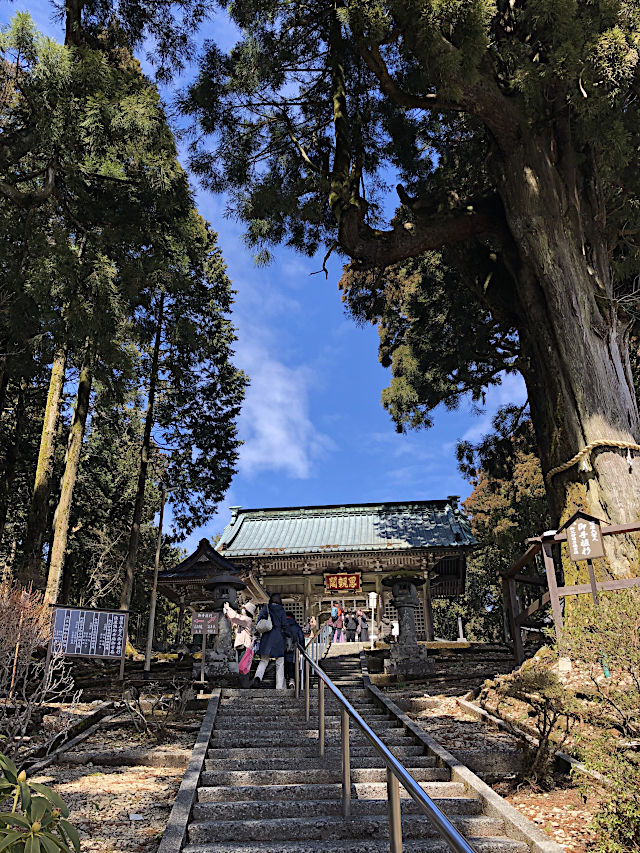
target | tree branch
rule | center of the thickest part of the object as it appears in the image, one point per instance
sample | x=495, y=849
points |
x=300, y=148
x=34, y=197
x=389, y=87
x=369, y=247
x=482, y=99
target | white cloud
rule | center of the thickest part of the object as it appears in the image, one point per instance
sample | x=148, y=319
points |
x=275, y=424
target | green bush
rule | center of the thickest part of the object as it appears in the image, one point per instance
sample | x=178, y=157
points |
x=610, y=634
x=617, y=821
x=37, y=820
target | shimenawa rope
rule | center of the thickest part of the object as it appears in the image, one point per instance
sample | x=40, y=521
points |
x=601, y=442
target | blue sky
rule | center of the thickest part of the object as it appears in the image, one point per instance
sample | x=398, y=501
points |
x=313, y=427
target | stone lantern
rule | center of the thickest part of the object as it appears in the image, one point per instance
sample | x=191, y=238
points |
x=406, y=657
x=221, y=660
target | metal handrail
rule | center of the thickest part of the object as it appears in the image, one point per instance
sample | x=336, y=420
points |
x=318, y=646
x=397, y=774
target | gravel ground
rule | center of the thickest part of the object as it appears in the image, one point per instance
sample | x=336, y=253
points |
x=561, y=812
x=115, y=809
x=118, y=809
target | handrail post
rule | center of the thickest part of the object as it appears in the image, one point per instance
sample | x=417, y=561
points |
x=346, y=763
x=321, y=716
x=307, y=679
x=394, y=811
x=297, y=675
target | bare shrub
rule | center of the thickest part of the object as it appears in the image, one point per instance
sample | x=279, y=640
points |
x=553, y=706
x=26, y=685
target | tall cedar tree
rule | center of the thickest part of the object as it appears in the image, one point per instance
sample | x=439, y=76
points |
x=193, y=390
x=96, y=257
x=84, y=220
x=515, y=130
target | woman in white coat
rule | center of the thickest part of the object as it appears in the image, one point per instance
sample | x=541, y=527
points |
x=243, y=622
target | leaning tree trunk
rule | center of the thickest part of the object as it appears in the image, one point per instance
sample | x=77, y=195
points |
x=74, y=447
x=38, y=511
x=134, y=536
x=575, y=346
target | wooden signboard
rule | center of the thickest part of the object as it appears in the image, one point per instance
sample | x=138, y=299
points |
x=86, y=632
x=204, y=623
x=343, y=582
x=584, y=537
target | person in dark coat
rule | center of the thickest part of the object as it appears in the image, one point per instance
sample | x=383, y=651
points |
x=362, y=631
x=350, y=626
x=272, y=642
x=296, y=638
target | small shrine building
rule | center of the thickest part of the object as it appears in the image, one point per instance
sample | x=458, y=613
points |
x=315, y=555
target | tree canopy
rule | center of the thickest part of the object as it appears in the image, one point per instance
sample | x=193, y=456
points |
x=513, y=130
x=102, y=244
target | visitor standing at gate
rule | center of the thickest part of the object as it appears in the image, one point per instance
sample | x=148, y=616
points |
x=350, y=626
x=337, y=623
x=362, y=631
x=272, y=640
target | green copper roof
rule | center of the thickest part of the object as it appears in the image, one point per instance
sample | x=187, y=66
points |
x=353, y=527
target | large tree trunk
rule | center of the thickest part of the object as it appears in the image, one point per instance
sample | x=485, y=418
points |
x=575, y=347
x=63, y=510
x=9, y=473
x=38, y=511
x=134, y=536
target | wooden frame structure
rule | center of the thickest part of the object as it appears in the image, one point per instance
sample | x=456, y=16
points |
x=518, y=618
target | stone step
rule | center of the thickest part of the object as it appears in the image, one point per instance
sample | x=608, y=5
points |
x=300, y=775
x=331, y=792
x=427, y=845
x=292, y=761
x=281, y=714
x=247, y=810
x=260, y=697
x=300, y=737
x=240, y=705
x=330, y=829
x=262, y=723
x=232, y=753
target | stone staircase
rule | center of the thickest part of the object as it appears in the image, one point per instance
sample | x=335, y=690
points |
x=265, y=788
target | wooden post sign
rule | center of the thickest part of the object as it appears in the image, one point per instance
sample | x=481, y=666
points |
x=89, y=633
x=205, y=624
x=584, y=537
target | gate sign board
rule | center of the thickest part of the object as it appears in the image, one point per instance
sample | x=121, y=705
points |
x=584, y=537
x=343, y=582
x=204, y=623
x=89, y=633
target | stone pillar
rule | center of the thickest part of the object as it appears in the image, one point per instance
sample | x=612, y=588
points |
x=405, y=600
x=406, y=657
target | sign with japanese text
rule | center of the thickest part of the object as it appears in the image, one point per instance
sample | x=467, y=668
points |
x=204, y=623
x=89, y=633
x=343, y=582
x=584, y=538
